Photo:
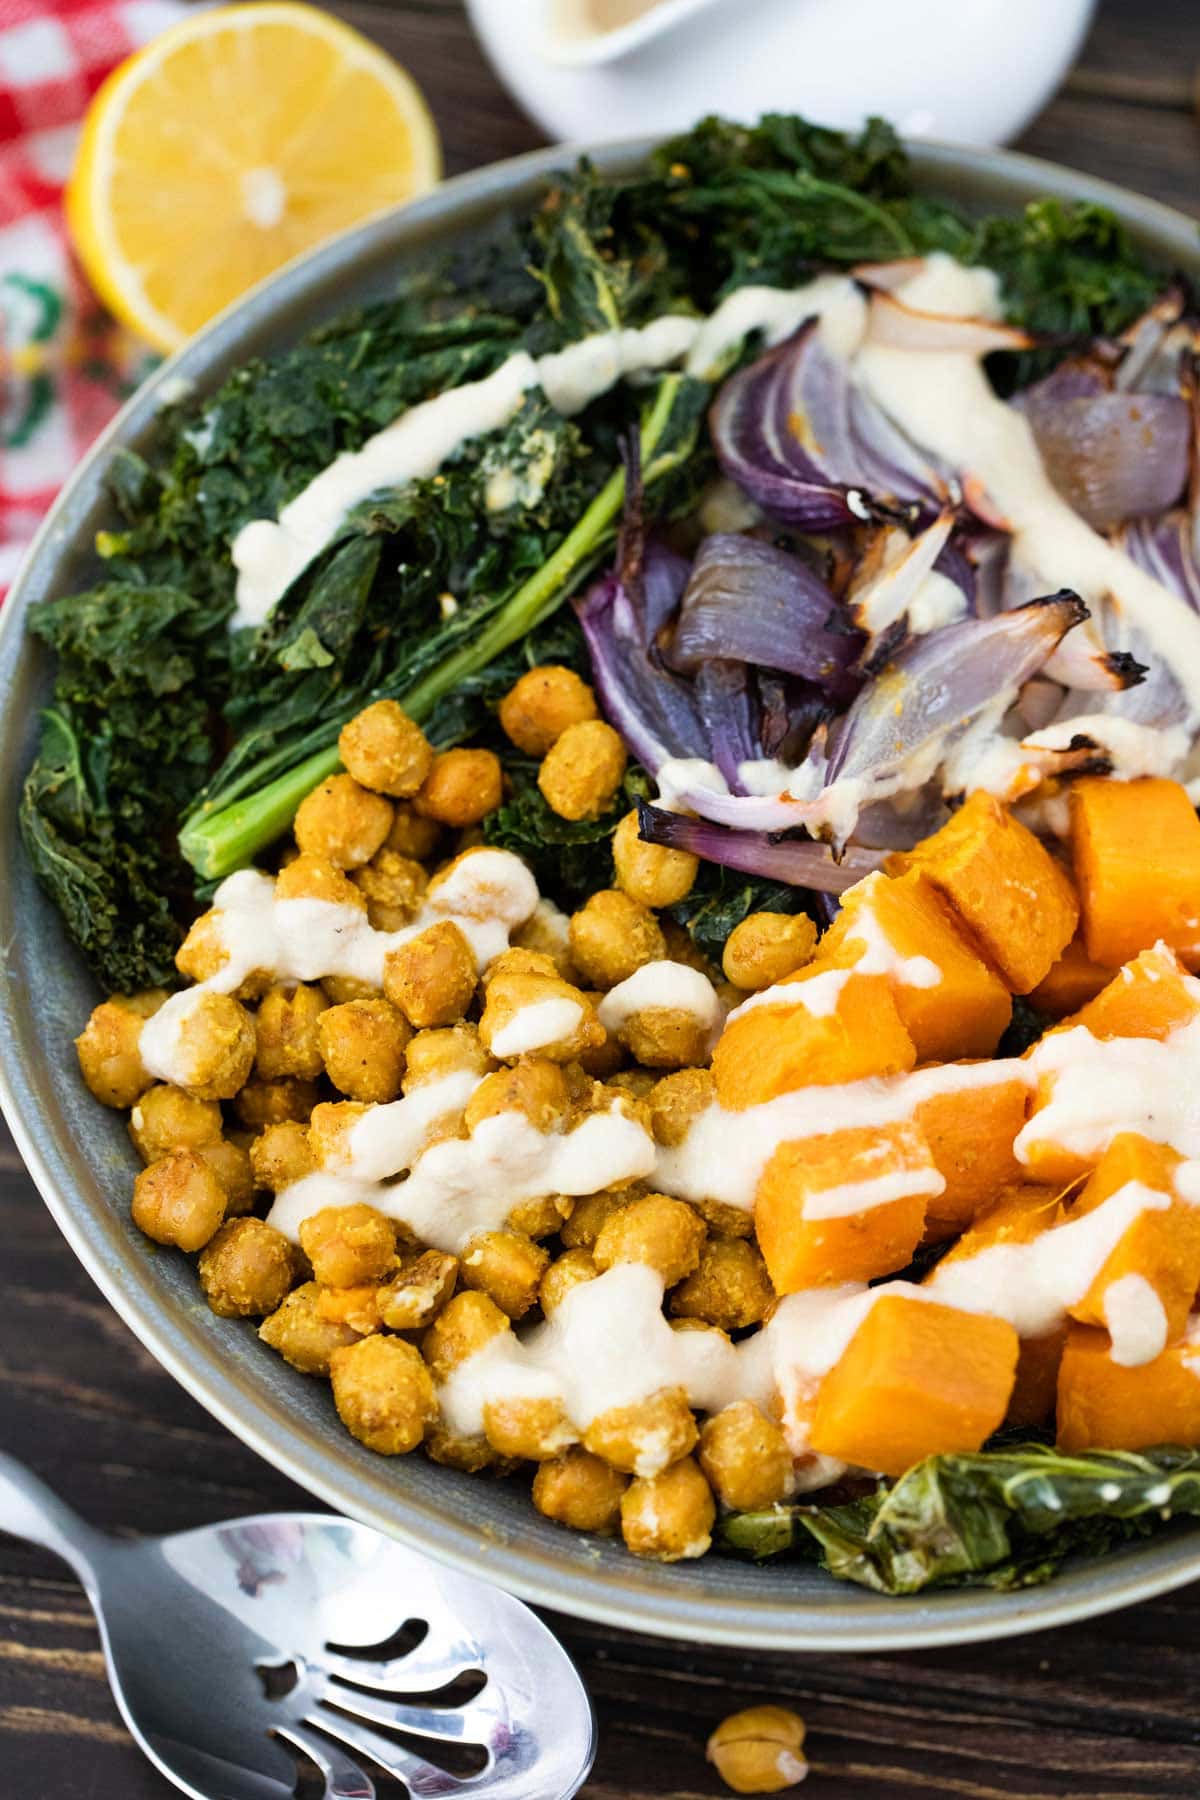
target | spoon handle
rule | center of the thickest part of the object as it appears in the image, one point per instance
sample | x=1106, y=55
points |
x=30, y=1510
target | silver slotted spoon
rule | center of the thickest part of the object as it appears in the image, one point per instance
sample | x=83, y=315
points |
x=250, y=1660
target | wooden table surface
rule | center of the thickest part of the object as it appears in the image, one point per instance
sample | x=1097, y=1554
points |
x=1103, y=1711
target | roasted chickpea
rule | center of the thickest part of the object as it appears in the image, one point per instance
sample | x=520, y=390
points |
x=540, y=1218
x=760, y=1750
x=729, y=1286
x=537, y=1088
x=565, y=1272
x=581, y=772
x=529, y=1428
x=605, y=1060
x=506, y=1267
x=385, y=750
x=651, y=873
x=214, y=1047
x=612, y=936
x=342, y=822
x=646, y=1436
x=677, y=1101
x=310, y=877
x=301, y=1335
x=349, y=1245
x=471, y=1455
x=383, y=1394
x=638, y=1084
x=766, y=947
x=462, y=787
x=654, y=1229
x=669, y=1517
x=411, y=834
x=589, y=1216
x=230, y=1163
x=178, y=1200
x=415, y=1297
x=465, y=1324
x=542, y=704
x=683, y=948
x=203, y=952
x=580, y=1490
x=666, y=1037
x=432, y=977
x=746, y=1458
x=357, y=1307
x=263, y=1103
x=288, y=1042
x=547, y=931
x=109, y=1058
x=166, y=1118
x=327, y=1130
x=432, y=1055
x=534, y=1013
x=394, y=886
x=362, y=1045
x=247, y=1269
x=339, y=990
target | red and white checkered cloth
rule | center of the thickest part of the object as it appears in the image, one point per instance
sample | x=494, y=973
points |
x=64, y=366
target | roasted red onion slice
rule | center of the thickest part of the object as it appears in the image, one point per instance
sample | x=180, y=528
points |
x=654, y=711
x=896, y=326
x=1113, y=456
x=798, y=861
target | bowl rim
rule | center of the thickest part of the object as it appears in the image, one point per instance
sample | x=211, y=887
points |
x=637, y=1598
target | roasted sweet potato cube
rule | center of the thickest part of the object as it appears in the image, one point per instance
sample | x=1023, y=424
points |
x=1136, y=851
x=1144, y=1289
x=1103, y=1406
x=1071, y=982
x=849, y=1029
x=1149, y=998
x=846, y=1206
x=1018, y=1216
x=916, y=1379
x=1016, y=902
x=969, y=1122
x=951, y=1002
x=1036, y=1386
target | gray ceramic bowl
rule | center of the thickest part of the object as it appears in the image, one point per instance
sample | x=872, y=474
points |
x=82, y=1162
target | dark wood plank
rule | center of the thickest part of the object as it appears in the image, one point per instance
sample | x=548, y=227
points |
x=1099, y=1712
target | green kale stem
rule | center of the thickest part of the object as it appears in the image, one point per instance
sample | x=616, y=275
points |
x=216, y=843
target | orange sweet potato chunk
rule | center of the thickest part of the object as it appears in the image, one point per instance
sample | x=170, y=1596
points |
x=806, y=1235
x=1071, y=983
x=1136, y=851
x=916, y=1379
x=1036, y=1386
x=965, y=1011
x=1004, y=885
x=1102, y=1406
x=1161, y=1245
x=970, y=1132
x=1149, y=998
x=771, y=1050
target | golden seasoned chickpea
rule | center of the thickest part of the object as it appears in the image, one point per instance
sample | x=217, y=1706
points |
x=766, y=947
x=760, y=1750
x=343, y=822
x=432, y=977
x=280, y=1155
x=357, y=1307
x=604, y=1060
x=507, y=1268
x=465, y=1324
x=580, y=1490
x=349, y=1245
x=637, y=1084
x=677, y=1101
x=288, y=1042
x=536, y=1088
x=166, y=1118
x=394, y=886
x=729, y=1286
x=581, y=772
x=651, y=873
x=230, y=1163
x=667, y=1037
x=540, y=1218
x=683, y=948
x=203, y=951
x=412, y=835
x=746, y=1458
x=432, y=1055
x=109, y=1058
x=385, y=750
x=263, y=1103
x=534, y=1013
x=214, y=1047
x=247, y=1269
x=646, y=1436
x=414, y=1298
x=471, y=1455
x=612, y=936
x=589, y=1216
x=327, y=1131
x=339, y=990
x=654, y=1229
x=542, y=704
x=669, y=1517
x=178, y=1200
x=362, y=1045
x=530, y=1429
x=518, y=961
x=565, y=1272
x=462, y=787
x=310, y=877
x=300, y=1334
x=383, y=1393
x=547, y=931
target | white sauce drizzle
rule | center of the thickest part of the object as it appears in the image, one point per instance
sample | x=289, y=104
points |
x=1099, y=1088
x=669, y=986
x=880, y=956
x=533, y=1027
x=819, y=995
x=1136, y=1320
